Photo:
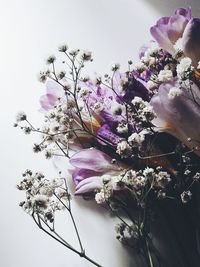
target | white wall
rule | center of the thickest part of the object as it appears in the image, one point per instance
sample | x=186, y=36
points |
x=29, y=31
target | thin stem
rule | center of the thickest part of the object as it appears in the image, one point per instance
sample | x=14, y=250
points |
x=77, y=233
x=149, y=254
x=64, y=243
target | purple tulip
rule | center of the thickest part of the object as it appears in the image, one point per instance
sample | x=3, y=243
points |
x=177, y=109
x=181, y=25
x=90, y=166
x=169, y=29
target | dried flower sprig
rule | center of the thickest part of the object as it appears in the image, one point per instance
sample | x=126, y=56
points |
x=44, y=198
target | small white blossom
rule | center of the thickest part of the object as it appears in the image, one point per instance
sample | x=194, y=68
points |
x=196, y=176
x=162, y=179
x=74, y=52
x=187, y=172
x=137, y=101
x=87, y=55
x=174, y=92
x=123, y=149
x=51, y=59
x=62, y=48
x=140, y=67
x=122, y=128
x=165, y=75
x=115, y=67
x=84, y=92
x=184, y=68
x=117, y=109
x=100, y=198
x=148, y=172
x=21, y=116
x=136, y=139
x=47, y=190
x=129, y=177
x=40, y=201
x=186, y=196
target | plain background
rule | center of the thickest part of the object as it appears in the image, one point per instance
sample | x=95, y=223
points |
x=30, y=30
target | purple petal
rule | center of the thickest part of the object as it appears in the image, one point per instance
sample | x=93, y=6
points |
x=89, y=185
x=44, y=102
x=54, y=92
x=92, y=159
x=81, y=174
x=160, y=34
x=186, y=12
x=142, y=50
x=111, y=120
x=53, y=88
x=179, y=116
x=191, y=40
x=107, y=134
x=135, y=87
x=169, y=29
x=176, y=27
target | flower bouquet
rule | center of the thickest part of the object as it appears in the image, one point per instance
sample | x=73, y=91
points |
x=131, y=139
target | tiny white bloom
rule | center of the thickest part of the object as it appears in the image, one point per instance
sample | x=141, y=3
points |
x=122, y=128
x=123, y=149
x=100, y=198
x=20, y=116
x=165, y=75
x=136, y=139
x=184, y=68
x=117, y=109
x=174, y=92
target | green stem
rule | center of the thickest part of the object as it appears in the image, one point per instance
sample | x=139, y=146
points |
x=149, y=254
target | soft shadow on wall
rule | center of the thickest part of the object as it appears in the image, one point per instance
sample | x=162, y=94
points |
x=166, y=8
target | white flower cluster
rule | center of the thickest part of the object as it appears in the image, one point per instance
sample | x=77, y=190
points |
x=43, y=196
x=124, y=149
x=150, y=54
x=21, y=116
x=127, y=234
x=165, y=75
x=155, y=178
x=143, y=109
x=186, y=196
x=136, y=139
x=174, y=92
x=104, y=194
x=184, y=68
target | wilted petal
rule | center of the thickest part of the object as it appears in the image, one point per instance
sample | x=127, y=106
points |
x=191, y=40
x=92, y=159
